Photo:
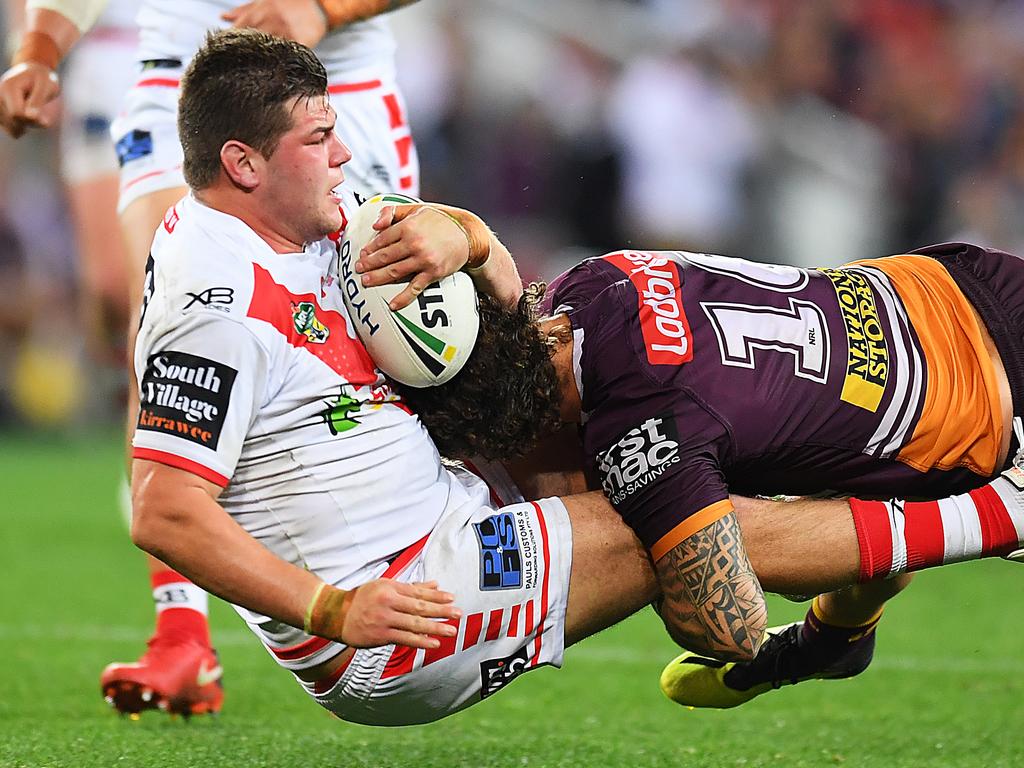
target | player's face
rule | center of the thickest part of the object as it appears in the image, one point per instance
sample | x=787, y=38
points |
x=304, y=170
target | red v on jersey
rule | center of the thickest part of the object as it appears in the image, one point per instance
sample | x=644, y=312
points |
x=275, y=304
x=660, y=305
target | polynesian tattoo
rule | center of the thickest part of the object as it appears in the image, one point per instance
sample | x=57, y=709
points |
x=713, y=602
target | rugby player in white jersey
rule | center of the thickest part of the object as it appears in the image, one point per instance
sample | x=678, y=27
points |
x=275, y=467
x=358, y=51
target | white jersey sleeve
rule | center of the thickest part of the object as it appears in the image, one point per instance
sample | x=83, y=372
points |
x=202, y=371
x=201, y=384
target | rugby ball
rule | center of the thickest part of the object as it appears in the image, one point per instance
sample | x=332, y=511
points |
x=423, y=344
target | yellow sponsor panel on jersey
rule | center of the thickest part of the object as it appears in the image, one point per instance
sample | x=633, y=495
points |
x=867, y=364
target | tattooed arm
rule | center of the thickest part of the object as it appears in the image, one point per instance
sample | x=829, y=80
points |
x=713, y=602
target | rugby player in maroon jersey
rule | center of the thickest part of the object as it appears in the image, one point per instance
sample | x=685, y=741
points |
x=693, y=376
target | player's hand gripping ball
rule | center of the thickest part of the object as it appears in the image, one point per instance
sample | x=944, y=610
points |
x=423, y=344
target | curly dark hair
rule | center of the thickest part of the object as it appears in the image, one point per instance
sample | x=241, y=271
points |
x=505, y=398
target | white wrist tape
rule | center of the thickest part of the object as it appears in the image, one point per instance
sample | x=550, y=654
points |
x=81, y=13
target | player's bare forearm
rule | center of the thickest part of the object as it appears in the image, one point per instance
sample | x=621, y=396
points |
x=342, y=12
x=306, y=21
x=426, y=242
x=499, y=276
x=63, y=30
x=31, y=83
x=176, y=518
x=713, y=602
x=490, y=264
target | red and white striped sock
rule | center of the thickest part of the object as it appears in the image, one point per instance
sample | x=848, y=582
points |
x=898, y=536
x=181, y=607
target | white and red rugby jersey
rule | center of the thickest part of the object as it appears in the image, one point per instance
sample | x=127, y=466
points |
x=252, y=377
x=118, y=14
x=176, y=30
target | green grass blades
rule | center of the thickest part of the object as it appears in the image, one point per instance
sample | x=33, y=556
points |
x=945, y=689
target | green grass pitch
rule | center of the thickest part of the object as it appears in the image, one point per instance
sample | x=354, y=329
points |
x=945, y=689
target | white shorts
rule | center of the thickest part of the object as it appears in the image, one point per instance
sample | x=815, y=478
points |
x=509, y=571
x=94, y=81
x=372, y=121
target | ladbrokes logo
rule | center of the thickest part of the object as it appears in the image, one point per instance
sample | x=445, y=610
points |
x=662, y=319
x=639, y=458
x=867, y=366
x=186, y=396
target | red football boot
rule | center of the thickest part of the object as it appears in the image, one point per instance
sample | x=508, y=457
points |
x=178, y=676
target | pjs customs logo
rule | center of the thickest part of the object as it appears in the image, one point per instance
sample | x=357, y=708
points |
x=186, y=396
x=306, y=323
x=867, y=365
x=507, y=552
x=639, y=458
x=495, y=674
x=663, y=322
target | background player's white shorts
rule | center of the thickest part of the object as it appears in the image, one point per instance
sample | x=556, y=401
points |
x=372, y=121
x=94, y=81
x=509, y=570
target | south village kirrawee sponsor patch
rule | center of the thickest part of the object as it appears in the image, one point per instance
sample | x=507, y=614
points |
x=186, y=396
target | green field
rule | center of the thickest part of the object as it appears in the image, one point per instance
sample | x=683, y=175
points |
x=945, y=689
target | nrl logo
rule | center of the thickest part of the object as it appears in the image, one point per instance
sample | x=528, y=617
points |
x=306, y=323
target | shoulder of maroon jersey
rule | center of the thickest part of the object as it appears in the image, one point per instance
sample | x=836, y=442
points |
x=583, y=281
x=649, y=291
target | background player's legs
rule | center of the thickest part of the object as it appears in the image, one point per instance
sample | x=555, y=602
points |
x=179, y=671
x=97, y=74
x=105, y=304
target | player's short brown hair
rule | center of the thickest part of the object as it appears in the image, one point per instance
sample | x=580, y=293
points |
x=505, y=398
x=236, y=87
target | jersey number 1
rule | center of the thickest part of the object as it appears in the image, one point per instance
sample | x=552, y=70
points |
x=800, y=331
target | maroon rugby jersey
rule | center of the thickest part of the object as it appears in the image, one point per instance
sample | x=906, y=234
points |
x=699, y=374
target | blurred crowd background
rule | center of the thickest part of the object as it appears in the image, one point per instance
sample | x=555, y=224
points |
x=809, y=132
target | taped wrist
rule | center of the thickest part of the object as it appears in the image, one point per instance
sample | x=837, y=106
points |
x=327, y=611
x=478, y=235
x=37, y=48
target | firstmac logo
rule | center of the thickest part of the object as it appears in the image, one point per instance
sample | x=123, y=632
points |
x=639, y=458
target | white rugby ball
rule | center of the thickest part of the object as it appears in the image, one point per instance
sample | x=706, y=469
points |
x=423, y=344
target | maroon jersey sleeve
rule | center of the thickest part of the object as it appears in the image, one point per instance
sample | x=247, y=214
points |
x=577, y=287
x=664, y=477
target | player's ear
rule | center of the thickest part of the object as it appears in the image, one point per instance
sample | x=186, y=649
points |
x=241, y=163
